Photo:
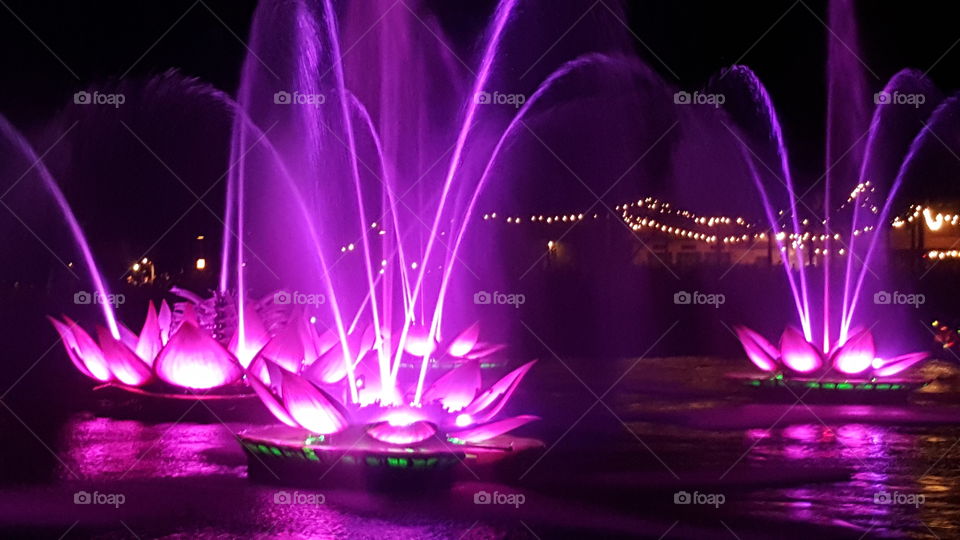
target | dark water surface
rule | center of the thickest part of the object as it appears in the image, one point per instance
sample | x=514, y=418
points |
x=620, y=451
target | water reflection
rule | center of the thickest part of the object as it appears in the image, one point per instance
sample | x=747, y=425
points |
x=98, y=448
x=891, y=491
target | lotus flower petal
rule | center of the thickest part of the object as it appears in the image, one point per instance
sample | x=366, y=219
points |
x=255, y=337
x=70, y=344
x=327, y=340
x=165, y=320
x=258, y=370
x=89, y=353
x=760, y=351
x=504, y=387
x=286, y=348
x=898, y=364
x=483, y=350
x=798, y=354
x=314, y=344
x=457, y=388
x=856, y=355
x=419, y=343
x=192, y=359
x=310, y=406
x=127, y=337
x=188, y=313
x=149, y=343
x=366, y=342
x=488, y=431
x=330, y=368
x=123, y=363
x=271, y=401
x=464, y=343
x=405, y=434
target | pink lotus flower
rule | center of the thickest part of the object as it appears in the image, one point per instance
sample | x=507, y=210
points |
x=857, y=357
x=453, y=405
x=182, y=354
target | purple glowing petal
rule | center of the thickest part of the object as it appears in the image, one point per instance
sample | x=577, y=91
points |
x=465, y=342
x=760, y=351
x=188, y=314
x=164, y=320
x=315, y=345
x=326, y=340
x=286, y=348
x=366, y=342
x=89, y=352
x=900, y=363
x=255, y=337
x=856, y=355
x=456, y=389
x=402, y=434
x=149, y=343
x=797, y=353
x=483, y=350
x=258, y=369
x=268, y=399
x=488, y=431
x=418, y=343
x=329, y=368
x=70, y=344
x=504, y=387
x=123, y=363
x=127, y=337
x=311, y=407
x=192, y=359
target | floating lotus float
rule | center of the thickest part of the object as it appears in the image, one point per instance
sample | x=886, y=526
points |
x=452, y=408
x=854, y=359
x=172, y=353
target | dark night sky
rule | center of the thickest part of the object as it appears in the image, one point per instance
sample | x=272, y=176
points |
x=99, y=40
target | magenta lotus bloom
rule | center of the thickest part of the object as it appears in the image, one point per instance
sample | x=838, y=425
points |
x=453, y=404
x=854, y=358
x=178, y=353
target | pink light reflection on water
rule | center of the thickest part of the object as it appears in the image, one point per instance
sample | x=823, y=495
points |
x=106, y=449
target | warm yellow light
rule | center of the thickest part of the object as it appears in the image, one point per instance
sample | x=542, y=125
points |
x=933, y=223
x=200, y=237
x=136, y=267
x=201, y=263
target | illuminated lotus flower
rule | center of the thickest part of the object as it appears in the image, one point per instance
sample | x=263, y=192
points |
x=178, y=354
x=452, y=406
x=856, y=357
